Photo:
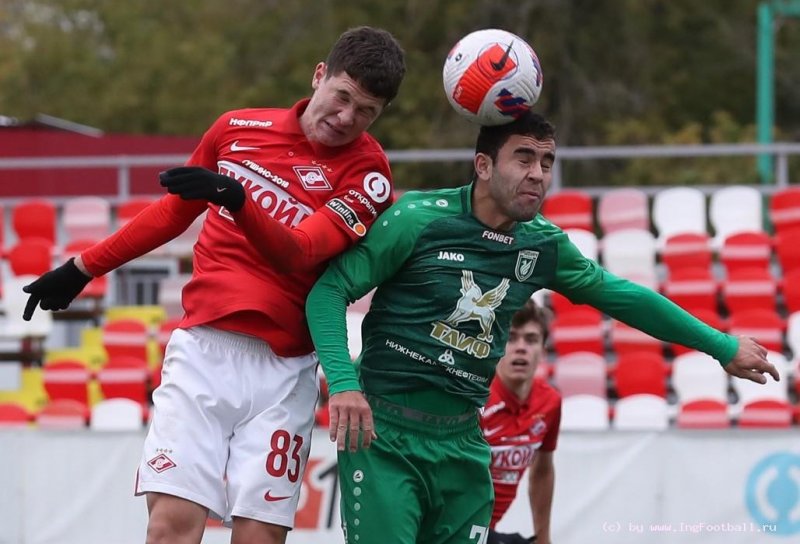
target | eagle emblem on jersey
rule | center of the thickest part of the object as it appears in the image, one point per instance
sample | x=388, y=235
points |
x=475, y=304
x=526, y=260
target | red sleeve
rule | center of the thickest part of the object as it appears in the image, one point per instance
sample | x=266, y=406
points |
x=312, y=242
x=156, y=225
x=551, y=438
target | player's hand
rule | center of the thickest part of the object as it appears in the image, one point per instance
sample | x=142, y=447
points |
x=750, y=362
x=197, y=183
x=55, y=290
x=350, y=415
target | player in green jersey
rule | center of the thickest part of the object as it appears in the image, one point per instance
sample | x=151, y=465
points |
x=451, y=267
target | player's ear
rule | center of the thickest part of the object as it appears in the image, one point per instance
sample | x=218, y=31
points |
x=483, y=166
x=319, y=74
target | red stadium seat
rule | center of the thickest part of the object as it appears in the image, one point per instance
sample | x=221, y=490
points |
x=749, y=289
x=620, y=209
x=14, y=415
x=86, y=218
x=790, y=286
x=692, y=289
x=569, y=210
x=746, y=250
x=579, y=330
x=581, y=373
x=765, y=325
x=788, y=250
x=96, y=288
x=766, y=413
x=125, y=377
x=639, y=373
x=63, y=414
x=31, y=257
x=165, y=331
x=131, y=208
x=687, y=250
x=67, y=379
x=125, y=338
x=703, y=414
x=784, y=209
x=35, y=219
x=626, y=339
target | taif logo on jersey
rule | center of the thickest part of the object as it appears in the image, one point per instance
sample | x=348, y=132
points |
x=474, y=304
x=348, y=216
x=312, y=178
x=526, y=260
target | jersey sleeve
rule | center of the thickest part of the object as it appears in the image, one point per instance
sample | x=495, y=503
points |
x=583, y=281
x=550, y=440
x=364, y=193
x=349, y=277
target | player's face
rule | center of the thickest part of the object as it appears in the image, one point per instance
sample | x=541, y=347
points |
x=340, y=109
x=521, y=176
x=524, y=351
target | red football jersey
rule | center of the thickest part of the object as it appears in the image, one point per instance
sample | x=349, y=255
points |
x=290, y=178
x=515, y=430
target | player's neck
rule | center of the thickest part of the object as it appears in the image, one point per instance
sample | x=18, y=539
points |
x=520, y=388
x=484, y=208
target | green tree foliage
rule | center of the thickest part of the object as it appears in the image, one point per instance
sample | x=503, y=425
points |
x=616, y=71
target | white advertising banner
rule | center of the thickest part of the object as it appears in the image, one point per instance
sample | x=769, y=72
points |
x=723, y=487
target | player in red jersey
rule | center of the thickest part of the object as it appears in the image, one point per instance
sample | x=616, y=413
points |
x=232, y=418
x=520, y=422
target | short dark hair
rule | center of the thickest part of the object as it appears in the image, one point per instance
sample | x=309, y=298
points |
x=492, y=138
x=531, y=312
x=372, y=57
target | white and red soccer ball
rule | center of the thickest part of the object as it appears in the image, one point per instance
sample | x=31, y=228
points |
x=492, y=76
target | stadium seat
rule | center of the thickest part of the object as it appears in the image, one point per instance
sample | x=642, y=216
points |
x=696, y=375
x=151, y=315
x=578, y=330
x=703, y=414
x=749, y=289
x=765, y=325
x=580, y=373
x=165, y=332
x=562, y=305
x=784, y=209
x=585, y=413
x=735, y=209
x=117, y=414
x=30, y=257
x=790, y=287
x=14, y=301
x=67, y=379
x=631, y=254
x=746, y=250
x=125, y=377
x=98, y=287
x=585, y=241
x=641, y=413
x=86, y=218
x=620, y=209
x=125, y=338
x=788, y=250
x=569, y=210
x=131, y=208
x=747, y=391
x=708, y=317
x=13, y=414
x=626, y=339
x=679, y=210
x=35, y=218
x=766, y=413
x=793, y=334
x=688, y=250
x=170, y=294
x=63, y=414
x=640, y=373
x=692, y=289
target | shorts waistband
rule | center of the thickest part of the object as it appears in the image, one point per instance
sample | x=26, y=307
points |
x=425, y=422
x=233, y=340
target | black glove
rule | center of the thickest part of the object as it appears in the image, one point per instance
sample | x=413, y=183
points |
x=55, y=290
x=197, y=183
x=507, y=538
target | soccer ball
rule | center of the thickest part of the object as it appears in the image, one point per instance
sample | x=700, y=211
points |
x=492, y=76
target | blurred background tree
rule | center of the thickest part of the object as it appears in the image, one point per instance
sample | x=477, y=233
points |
x=616, y=71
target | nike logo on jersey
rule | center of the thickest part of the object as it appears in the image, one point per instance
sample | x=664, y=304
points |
x=220, y=189
x=493, y=430
x=271, y=498
x=236, y=147
x=498, y=66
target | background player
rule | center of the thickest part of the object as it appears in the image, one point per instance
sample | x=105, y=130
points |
x=452, y=266
x=239, y=377
x=520, y=422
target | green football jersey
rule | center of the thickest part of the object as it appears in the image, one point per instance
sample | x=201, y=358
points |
x=447, y=287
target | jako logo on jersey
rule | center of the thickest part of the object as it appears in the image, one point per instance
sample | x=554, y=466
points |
x=526, y=260
x=450, y=256
x=473, y=304
x=313, y=178
x=348, y=216
x=160, y=463
x=497, y=237
x=234, y=122
x=275, y=201
x=377, y=187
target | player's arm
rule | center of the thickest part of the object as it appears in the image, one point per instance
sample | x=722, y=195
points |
x=541, y=484
x=347, y=279
x=584, y=281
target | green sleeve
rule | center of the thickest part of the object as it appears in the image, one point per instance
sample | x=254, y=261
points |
x=583, y=281
x=349, y=277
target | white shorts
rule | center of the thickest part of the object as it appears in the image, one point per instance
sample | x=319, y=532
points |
x=231, y=427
